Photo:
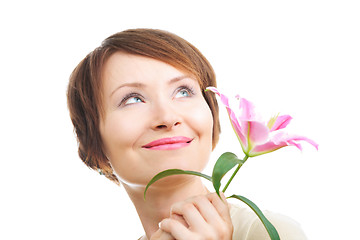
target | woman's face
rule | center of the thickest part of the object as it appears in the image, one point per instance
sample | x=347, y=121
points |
x=155, y=118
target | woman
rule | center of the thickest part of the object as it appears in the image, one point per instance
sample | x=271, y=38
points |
x=138, y=106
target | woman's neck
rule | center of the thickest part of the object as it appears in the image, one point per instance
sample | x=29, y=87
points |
x=161, y=197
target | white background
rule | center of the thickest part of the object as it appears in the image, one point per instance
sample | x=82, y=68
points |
x=294, y=57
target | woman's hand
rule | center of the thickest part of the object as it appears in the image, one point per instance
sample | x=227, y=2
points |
x=161, y=235
x=200, y=217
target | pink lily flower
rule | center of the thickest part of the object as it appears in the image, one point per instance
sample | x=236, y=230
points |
x=256, y=137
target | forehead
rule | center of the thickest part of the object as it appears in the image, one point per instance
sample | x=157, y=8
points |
x=122, y=66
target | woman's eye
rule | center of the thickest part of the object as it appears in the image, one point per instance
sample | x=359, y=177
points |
x=131, y=99
x=184, y=92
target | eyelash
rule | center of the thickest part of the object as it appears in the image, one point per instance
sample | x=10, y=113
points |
x=128, y=96
x=189, y=89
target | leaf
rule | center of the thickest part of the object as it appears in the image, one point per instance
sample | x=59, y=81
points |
x=224, y=164
x=269, y=227
x=171, y=172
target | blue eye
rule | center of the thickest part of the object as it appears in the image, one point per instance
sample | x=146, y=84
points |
x=184, y=92
x=131, y=98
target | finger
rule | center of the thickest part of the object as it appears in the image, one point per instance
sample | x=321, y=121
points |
x=221, y=205
x=207, y=209
x=190, y=213
x=161, y=235
x=218, y=226
x=176, y=229
x=179, y=218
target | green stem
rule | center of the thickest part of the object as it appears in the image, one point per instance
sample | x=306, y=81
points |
x=235, y=172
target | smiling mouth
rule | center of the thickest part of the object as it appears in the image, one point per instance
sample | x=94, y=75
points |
x=168, y=143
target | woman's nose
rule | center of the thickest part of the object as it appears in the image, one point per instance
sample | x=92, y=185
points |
x=165, y=117
x=167, y=125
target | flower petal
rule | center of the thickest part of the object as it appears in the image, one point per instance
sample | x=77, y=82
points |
x=224, y=99
x=258, y=133
x=248, y=110
x=234, y=122
x=266, y=148
x=295, y=138
x=281, y=122
x=278, y=141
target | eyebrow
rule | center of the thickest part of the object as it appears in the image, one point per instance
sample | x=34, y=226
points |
x=134, y=84
x=141, y=85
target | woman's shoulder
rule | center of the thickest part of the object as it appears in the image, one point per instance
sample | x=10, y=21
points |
x=247, y=225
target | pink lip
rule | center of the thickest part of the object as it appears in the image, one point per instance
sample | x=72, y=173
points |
x=168, y=143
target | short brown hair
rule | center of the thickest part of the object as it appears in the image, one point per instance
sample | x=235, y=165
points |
x=84, y=93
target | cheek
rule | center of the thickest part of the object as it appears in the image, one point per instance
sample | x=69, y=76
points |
x=204, y=125
x=203, y=119
x=118, y=133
